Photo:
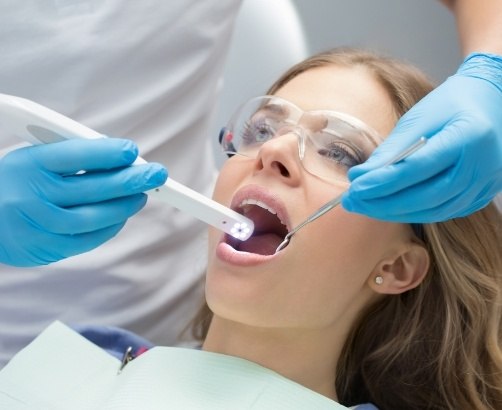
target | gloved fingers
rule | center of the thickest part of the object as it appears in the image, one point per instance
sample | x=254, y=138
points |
x=71, y=156
x=443, y=212
x=420, y=166
x=432, y=200
x=481, y=197
x=85, y=218
x=93, y=187
x=454, y=192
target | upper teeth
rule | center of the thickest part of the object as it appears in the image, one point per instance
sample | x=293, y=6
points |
x=261, y=205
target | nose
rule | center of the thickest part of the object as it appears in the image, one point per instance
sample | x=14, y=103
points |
x=279, y=157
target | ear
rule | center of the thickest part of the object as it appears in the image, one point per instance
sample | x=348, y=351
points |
x=404, y=272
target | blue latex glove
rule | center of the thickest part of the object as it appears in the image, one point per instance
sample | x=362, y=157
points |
x=48, y=213
x=458, y=171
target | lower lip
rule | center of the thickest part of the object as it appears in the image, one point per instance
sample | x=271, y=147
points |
x=228, y=254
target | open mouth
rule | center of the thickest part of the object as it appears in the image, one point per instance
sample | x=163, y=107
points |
x=269, y=230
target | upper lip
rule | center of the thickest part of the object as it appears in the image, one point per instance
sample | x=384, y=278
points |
x=259, y=193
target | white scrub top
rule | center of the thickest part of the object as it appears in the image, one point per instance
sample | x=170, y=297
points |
x=148, y=70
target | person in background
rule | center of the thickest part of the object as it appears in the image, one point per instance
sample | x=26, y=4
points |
x=123, y=70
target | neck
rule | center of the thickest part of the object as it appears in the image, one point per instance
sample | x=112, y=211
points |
x=307, y=357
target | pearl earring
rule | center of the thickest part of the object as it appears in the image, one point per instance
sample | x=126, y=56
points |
x=378, y=280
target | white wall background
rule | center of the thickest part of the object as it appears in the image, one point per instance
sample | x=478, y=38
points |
x=420, y=31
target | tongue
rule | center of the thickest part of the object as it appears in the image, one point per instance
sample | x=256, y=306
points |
x=262, y=244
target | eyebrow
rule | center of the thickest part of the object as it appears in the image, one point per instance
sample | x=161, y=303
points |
x=356, y=124
x=278, y=110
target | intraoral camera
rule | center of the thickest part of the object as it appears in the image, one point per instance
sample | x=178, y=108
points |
x=40, y=125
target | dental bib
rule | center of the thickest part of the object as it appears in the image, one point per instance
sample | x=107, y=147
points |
x=61, y=370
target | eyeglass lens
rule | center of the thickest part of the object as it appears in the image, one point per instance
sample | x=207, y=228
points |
x=329, y=143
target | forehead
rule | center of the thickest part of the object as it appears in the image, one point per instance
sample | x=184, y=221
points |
x=352, y=90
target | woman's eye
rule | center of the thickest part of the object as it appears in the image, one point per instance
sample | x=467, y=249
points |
x=341, y=155
x=257, y=132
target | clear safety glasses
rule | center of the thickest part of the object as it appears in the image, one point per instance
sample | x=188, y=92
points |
x=329, y=142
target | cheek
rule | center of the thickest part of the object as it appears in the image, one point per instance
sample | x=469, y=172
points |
x=326, y=273
x=346, y=246
x=335, y=258
x=226, y=183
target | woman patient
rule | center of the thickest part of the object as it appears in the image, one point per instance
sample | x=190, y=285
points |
x=355, y=309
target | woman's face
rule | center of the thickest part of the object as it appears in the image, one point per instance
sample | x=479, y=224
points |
x=323, y=277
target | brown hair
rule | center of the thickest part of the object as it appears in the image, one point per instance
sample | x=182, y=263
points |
x=437, y=346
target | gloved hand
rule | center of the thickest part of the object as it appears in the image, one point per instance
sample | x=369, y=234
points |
x=48, y=213
x=458, y=171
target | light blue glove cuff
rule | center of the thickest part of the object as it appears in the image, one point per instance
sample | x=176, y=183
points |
x=483, y=66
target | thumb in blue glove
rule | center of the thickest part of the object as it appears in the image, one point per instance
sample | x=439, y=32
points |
x=458, y=171
x=49, y=212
